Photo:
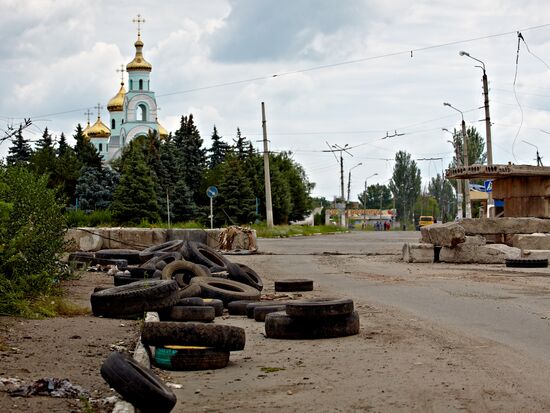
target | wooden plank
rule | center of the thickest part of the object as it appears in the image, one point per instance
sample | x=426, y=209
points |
x=521, y=187
x=527, y=207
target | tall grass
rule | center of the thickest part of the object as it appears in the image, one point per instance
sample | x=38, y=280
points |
x=283, y=231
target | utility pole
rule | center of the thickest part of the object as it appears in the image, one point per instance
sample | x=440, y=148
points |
x=268, y=203
x=466, y=181
x=458, y=181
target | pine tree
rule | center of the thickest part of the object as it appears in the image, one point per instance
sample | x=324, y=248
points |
x=191, y=156
x=94, y=188
x=218, y=150
x=66, y=173
x=135, y=198
x=43, y=159
x=241, y=144
x=183, y=206
x=85, y=151
x=20, y=152
x=236, y=202
x=405, y=185
x=63, y=146
x=46, y=141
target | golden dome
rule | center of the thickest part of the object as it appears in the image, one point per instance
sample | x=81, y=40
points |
x=139, y=62
x=86, y=129
x=163, y=133
x=98, y=130
x=117, y=102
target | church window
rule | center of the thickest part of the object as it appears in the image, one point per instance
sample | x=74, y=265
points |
x=140, y=84
x=131, y=84
x=100, y=147
x=112, y=123
x=141, y=114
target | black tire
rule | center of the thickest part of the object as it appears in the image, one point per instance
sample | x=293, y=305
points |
x=81, y=256
x=128, y=279
x=185, y=358
x=169, y=246
x=192, y=313
x=245, y=275
x=262, y=311
x=319, y=308
x=225, y=290
x=527, y=263
x=141, y=272
x=193, y=301
x=121, y=264
x=187, y=269
x=132, y=256
x=189, y=291
x=98, y=288
x=201, y=253
x=135, y=298
x=217, y=305
x=280, y=325
x=222, y=337
x=239, y=307
x=252, y=306
x=291, y=285
x=137, y=384
x=165, y=257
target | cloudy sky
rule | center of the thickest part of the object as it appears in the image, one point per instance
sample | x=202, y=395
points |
x=348, y=72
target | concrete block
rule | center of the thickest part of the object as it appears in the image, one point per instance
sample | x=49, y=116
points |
x=535, y=254
x=159, y=235
x=213, y=237
x=484, y=226
x=132, y=238
x=90, y=242
x=418, y=252
x=475, y=240
x=478, y=254
x=531, y=241
x=187, y=234
x=445, y=235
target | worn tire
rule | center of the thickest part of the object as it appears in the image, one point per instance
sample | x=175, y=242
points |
x=81, y=256
x=319, y=308
x=187, y=358
x=239, y=307
x=137, y=384
x=187, y=269
x=189, y=291
x=527, y=263
x=262, y=311
x=250, y=274
x=128, y=279
x=141, y=272
x=217, y=305
x=245, y=275
x=194, y=301
x=250, y=307
x=280, y=325
x=135, y=298
x=192, y=313
x=200, y=253
x=225, y=290
x=161, y=257
x=170, y=246
x=132, y=256
x=291, y=285
x=219, y=336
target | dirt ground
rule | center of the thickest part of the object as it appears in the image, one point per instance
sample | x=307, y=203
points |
x=398, y=362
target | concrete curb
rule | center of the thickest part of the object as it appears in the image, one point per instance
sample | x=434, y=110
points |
x=142, y=357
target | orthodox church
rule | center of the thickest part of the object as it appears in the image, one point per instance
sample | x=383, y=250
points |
x=132, y=113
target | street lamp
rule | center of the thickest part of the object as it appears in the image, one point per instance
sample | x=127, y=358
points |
x=365, y=200
x=487, y=117
x=458, y=181
x=349, y=177
x=465, y=153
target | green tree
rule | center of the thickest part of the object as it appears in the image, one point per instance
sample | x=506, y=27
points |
x=405, y=185
x=426, y=205
x=442, y=190
x=135, y=198
x=31, y=239
x=183, y=207
x=476, y=147
x=43, y=159
x=241, y=144
x=86, y=153
x=63, y=146
x=20, y=152
x=218, y=150
x=191, y=156
x=95, y=187
x=376, y=196
x=66, y=174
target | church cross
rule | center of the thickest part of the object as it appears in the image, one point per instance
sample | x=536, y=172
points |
x=98, y=107
x=139, y=20
x=121, y=70
x=88, y=114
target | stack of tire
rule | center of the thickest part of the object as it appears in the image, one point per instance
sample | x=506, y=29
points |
x=192, y=346
x=178, y=270
x=313, y=319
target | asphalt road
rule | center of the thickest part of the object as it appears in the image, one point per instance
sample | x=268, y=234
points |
x=471, y=298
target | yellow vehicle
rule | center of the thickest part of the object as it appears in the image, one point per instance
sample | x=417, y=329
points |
x=425, y=220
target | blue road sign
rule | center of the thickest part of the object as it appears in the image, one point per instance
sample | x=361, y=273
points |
x=488, y=185
x=212, y=191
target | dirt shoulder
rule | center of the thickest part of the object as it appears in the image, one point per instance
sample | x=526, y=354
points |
x=70, y=348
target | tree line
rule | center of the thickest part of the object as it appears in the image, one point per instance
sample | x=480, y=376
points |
x=155, y=178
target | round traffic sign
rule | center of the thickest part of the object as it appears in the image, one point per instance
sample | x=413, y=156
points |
x=212, y=191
